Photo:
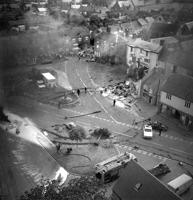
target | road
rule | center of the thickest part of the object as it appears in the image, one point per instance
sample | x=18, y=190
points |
x=165, y=148
x=115, y=119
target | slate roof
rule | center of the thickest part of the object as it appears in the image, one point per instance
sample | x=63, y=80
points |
x=146, y=45
x=135, y=183
x=178, y=57
x=180, y=86
x=162, y=30
x=155, y=80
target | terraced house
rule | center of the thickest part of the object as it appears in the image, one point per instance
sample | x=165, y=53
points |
x=176, y=98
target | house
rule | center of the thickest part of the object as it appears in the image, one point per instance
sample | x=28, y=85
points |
x=176, y=97
x=42, y=11
x=150, y=87
x=19, y=25
x=169, y=41
x=178, y=58
x=116, y=9
x=124, y=3
x=144, y=53
x=142, y=22
x=75, y=6
x=136, y=183
x=149, y=19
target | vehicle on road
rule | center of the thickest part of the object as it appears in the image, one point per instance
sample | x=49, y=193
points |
x=156, y=125
x=181, y=184
x=147, y=132
x=159, y=170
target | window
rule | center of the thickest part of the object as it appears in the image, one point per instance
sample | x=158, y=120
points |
x=187, y=104
x=131, y=49
x=146, y=53
x=146, y=60
x=168, y=96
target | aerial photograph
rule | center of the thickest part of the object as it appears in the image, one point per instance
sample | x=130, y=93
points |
x=96, y=99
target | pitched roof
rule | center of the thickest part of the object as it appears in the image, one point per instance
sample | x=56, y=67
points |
x=166, y=41
x=135, y=183
x=148, y=46
x=162, y=30
x=178, y=57
x=149, y=19
x=155, y=80
x=189, y=25
x=141, y=21
x=179, y=86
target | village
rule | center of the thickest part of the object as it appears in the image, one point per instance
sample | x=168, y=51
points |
x=101, y=86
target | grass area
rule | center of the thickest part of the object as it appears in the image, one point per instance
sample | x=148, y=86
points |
x=83, y=158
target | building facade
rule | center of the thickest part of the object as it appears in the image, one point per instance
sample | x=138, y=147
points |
x=176, y=98
x=143, y=53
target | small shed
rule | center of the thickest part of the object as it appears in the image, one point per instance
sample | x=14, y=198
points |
x=49, y=79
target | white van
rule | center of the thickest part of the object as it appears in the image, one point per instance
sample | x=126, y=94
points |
x=181, y=184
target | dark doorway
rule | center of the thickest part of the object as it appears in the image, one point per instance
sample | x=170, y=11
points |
x=177, y=114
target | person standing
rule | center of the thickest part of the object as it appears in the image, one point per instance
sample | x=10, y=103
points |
x=78, y=92
x=114, y=102
x=58, y=147
x=160, y=132
x=85, y=89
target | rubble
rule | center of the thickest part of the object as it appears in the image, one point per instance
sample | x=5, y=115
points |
x=124, y=92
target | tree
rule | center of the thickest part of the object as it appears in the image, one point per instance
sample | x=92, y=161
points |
x=83, y=188
x=77, y=133
x=103, y=133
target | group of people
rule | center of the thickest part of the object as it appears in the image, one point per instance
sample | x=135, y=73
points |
x=58, y=147
x=78, y=91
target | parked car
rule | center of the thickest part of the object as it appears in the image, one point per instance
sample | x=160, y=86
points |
x=147, y=131
x=159, y=170
x=156, y=125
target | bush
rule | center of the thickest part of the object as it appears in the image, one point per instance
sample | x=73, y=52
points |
x=103, y=133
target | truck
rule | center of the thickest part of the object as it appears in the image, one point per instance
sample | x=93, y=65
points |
x=108, y=170
x=181, y=184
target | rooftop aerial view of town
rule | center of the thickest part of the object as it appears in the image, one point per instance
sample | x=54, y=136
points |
x=96, y=99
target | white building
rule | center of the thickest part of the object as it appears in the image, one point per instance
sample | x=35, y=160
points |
x=176, y=97
x=144, y=52
x=49, y=79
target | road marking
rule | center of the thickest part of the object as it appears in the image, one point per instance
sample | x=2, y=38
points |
x=180, y=151
x=140, y=151
x=157, y=144
x=92, y=81
x=96, y=99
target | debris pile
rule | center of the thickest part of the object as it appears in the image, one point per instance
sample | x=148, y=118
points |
x=125, y=92
x=123, y=89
